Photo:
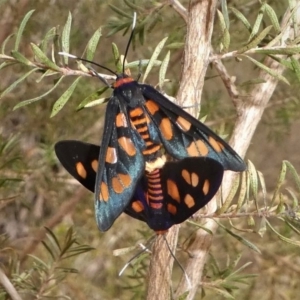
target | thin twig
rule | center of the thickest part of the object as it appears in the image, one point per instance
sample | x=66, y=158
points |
x=180, y=9
x=228, y=82
x=8, y=286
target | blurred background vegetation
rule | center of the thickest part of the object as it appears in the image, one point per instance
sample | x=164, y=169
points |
x=35, y=191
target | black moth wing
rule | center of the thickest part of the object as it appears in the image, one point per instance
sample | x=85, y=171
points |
x=184, y=136
x=77, y=158
x=187, y=186
x=121, y=165
x=190, y=184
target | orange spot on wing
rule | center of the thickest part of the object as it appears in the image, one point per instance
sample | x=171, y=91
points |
x=80, y=169
x=189, y=201
x=184, y=124
x=111, y=155
x=94, y=165
x=205, y=188
x=215, y=144
x=197, y=148
x=121, y=120
x=152, y=107
x=173, y=190
x=127, y=145
x=166, y=128
x=186, y=176
x=122, y=81
x=125, y=179
x=117, y=185
x=104, y=194
x=172, y=209
x=137, y=206
x=194, y=179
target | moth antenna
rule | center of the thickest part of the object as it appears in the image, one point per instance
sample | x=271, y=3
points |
x=179, y=264
x=144, y=249
x=130, y=39
x=88, y=61
x=100, y=77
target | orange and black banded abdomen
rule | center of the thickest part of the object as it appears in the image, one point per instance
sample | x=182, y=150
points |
x=140, y=121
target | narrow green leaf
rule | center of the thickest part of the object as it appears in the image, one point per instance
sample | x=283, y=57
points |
x=5, y=43
x=154, y=56
x=119, y=11
x=230, y=196
x=254, y=42
x=225, y=13
x=257, y=23
x=43, y=58
x=163, y=70
x=26, y=102
x=63, y=99
x=273, y=17
x=242, y=18
x=252, y=81
x=263, y=186
x=296, y=230
x=240, y=238
x=268, y=70
x=49, y=250
x=294, y=172
x=96, y=102
x=294, y=198
x=142, y=63
x=262, y=226
x=91, y=98
x=65, y=37
x=92, y=44
x=20, y=58
x=53, y=236
x=117, y=58
x=49, y=36
x=6, y=64
x=225, y=33
x=133, y=6
x=252, y=173
x=221, y=21
x=21, y=29
x=200, y=226
x=280, y=181
x=39, y=261
x=279, y=50
x=283, y=238
x=296, y=67
x=175, y=46
x=221, y=292
x=243, y=191
x=153, y=22
x=12, y=86
x=286, y=63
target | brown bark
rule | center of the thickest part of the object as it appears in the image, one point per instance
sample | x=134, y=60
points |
x=249, y=115
x=196, y=58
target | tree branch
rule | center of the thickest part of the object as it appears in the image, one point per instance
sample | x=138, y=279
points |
x=249, y=115
x=196, y=57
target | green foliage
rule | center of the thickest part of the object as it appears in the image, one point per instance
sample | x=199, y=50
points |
x=34, y=187
x=45, y=276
